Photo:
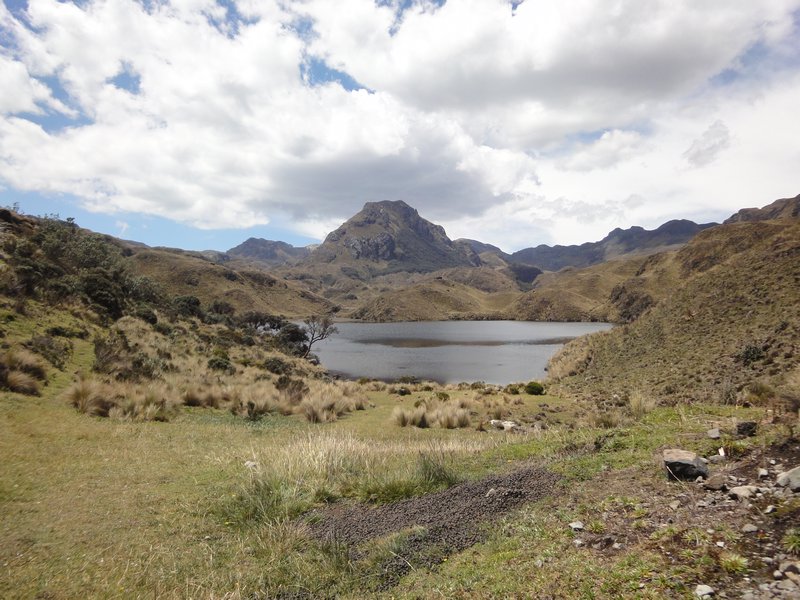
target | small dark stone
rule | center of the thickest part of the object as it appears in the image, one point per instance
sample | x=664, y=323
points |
x=747, y=428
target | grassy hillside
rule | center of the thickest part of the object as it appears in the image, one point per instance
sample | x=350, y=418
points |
x=731, y=320
x=179, y=274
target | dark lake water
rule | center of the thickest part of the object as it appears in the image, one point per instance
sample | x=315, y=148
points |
x=448, y=351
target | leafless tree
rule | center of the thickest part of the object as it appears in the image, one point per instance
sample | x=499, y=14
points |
x=318, y=327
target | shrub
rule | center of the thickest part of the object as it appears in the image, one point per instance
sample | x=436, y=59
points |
x=146, y=314
x=534, y=388
x=512, y=388
x=67, y=332
x=442, y=396
x=276, y=365
x=219, y=363
x=187, y=306
x=750, y=354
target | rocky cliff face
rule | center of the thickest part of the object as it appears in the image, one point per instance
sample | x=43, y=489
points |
x=391, y=236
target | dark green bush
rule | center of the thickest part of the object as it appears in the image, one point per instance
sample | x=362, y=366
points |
x=219, y=363
x=146, y=314
x=750, y=354
x=187, y=306
x=534, y=388
x=276, y=365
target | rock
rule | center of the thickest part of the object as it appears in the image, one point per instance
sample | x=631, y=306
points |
x=578, y=543
x=713, y=433
x=763, y=473
x=770, y=509
x=682, y=464
x=250, y=464
x=776, y=574
x=717, y=458
x=576, y=526
x=716, y=482
x=786, y=585
x=742, y=492
x=703, y=591
x=790, y=567
x=749, y=528
x=675, y=505
x=505, y=425
x=617, y=546
x=747, y=428
x=790, y=479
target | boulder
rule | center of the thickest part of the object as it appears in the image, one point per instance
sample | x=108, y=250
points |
x=713, y=433
x=682, y=464
x=790, y=479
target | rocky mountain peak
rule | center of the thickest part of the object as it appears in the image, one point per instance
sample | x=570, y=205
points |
x=392, y=236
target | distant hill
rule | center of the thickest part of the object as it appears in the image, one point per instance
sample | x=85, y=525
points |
x=786, y=208
x=390, y=236
x=620, y=242
x=269, y=251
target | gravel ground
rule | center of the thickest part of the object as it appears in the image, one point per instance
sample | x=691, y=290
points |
x=452, y=518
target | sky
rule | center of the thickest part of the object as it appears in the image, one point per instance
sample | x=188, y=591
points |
x=199, y=123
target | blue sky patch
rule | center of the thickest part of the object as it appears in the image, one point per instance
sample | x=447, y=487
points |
x=149, y=230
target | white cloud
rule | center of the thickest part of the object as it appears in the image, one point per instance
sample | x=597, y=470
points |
x=516, y=128
x=704, y=150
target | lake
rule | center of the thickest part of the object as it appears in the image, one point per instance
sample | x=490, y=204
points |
x=498, y=352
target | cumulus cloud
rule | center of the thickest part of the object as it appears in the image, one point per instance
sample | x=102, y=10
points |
x=550, y=115
x=704, y=150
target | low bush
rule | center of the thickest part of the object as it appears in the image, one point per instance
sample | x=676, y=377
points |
x=219, y=363
x=277, y=365
x=534, y=388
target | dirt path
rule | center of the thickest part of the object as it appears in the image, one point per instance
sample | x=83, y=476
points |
x=452, y=518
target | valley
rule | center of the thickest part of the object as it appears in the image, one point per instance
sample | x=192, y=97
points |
x=163, y=434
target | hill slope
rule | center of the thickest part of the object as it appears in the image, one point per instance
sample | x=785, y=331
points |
x=270, y=252
x=735, y=321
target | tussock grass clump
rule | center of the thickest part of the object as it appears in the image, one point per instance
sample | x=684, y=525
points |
x=21, y=371
x=128, y=403
x=22, y=383
x=90, y=397
x=25, y=361
x=432, y=414
x=791, y=540
x=639, y=404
